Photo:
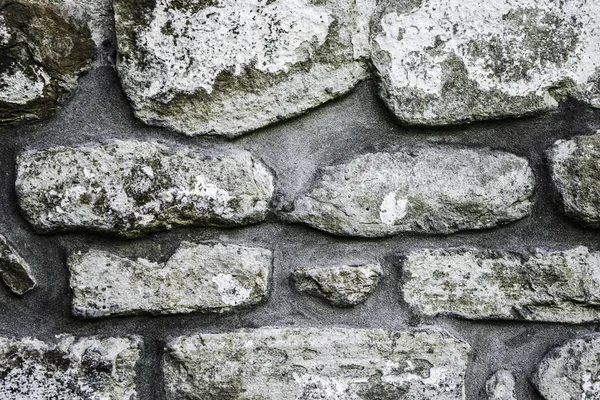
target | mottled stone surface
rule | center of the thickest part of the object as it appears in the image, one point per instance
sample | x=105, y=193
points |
x=450, y=61
x=554, y=286
x=428, y=189
x=197, y=277
x=342, y=285
x=42, y=55
x=570, y=371
x=575, y=167
x=14, y=270
x=501, y=386
x=311, y=363
x=130, y=188
x=74, y=368
x=226, y=67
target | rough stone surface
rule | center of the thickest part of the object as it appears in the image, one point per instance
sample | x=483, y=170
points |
x=130, y=188
x=450, y=61
x=342, y=286
x=501, y=386
x=41, y=56
x=575, y=166
x=197, y=277
x=310, y=364
x=429, y=189
x=226, y=67
x=87, y=368
x=559, y=286
x=571, y=371
x=14, y=270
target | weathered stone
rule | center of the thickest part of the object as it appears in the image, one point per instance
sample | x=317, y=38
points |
x=131, y=188
x=310, y=364
x=501, y=386
x=226, y=67
x=342, y=286
x=570, y=371
x=42, y=54
x=559, y=286
x=575, y=166
x=197, y=277
x=450, y=61
x=429, y=189
x=85, y=368
x=14, y=270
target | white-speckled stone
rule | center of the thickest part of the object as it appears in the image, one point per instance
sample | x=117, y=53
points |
x=312, y=364
x=501, y=386
x=14, y=270
x=197, y=277
x=452, y=61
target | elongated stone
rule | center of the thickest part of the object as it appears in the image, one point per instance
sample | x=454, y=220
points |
x=311, y=363
x=74, y=368
x=575, y=166
x=501, y=386
x=197, y=277
x=14, y=270
x=450, y=61
x=226, y=67
x=130, y=188
x=553, y=286
x=428, y=189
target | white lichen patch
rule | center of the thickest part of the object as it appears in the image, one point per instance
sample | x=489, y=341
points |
x=391, y=209
x=232, y=292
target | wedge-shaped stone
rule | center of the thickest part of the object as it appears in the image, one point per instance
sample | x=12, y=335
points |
x=14, y=270
x=570, y=371
x=452, y=61
x=198, y=277
x=429, y=189
x=310, y=363
x=131, y=188
x=501, y=386
x=560, y=286
x=575, y=166
x=226, y=67
x=74, y=368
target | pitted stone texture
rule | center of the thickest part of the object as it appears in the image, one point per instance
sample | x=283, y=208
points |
x=450, y=61
x=342, y=286
x=14, y=270
x=42, y=56
x=310, y=364
x=570, y=371
x=226, y=67
x=560, y=286
x=197, y=277
x=501, y=386
x=575, y=166
x=429, y=189
x=131, y=188
x=75, y=369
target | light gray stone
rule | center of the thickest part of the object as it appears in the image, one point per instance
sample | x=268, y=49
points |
x=208, y=277
x=452, y=61
x=226, y=67
x=570, y=371
x=501, y=386
x=311, y=364
x=74, y=368
x=575, y=166
x=342, y=285
x=130, y=188
x=553, y=286
x=14, y=270
x=428, y=189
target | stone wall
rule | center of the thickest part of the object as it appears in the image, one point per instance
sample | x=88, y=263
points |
x=300, y=199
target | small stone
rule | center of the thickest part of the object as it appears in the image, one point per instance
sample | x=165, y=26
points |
x=225, y=67
x=131, y=188
x=311, y=364
x=501, y=386
x=452, y=61
x=14, y=270
x=74, y=368
x=197, y=277
x=558, y=286
x=570, y=371
x=575, y=166
x=342, y=286
x=428, y=189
